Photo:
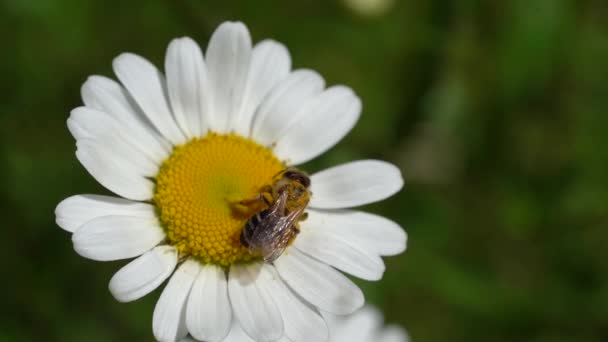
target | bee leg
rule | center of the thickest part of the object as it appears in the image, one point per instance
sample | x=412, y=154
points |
x=256, y=200
x=255, y=204
x=266, y=188
x=303, y=217
x=247, y=208
x=267, y=197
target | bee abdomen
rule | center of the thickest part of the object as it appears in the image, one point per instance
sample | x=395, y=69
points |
x=251, y=226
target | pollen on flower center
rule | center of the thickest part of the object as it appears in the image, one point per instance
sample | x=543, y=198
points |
x=196, y=186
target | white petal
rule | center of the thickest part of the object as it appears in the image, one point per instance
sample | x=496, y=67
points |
x=107, y=96
x=369, y=232
x=228, y=58
x=187, y=85
x=321, y=124
x=147, y=86
x=117, y=237
x=284, y=103
x=102, y=128
x=394, y=333
x=339, y=252
x=270, y=63
x=77, y=131
x=76, y=210
x=113, y=171
x=169, y=318
x=208, y=316
x=363, y=325
x=302, y=323
x=83, y=126
x=354, y=184
x=144, y=274
x=237, y=334
x=252, y=304
x=318, y=283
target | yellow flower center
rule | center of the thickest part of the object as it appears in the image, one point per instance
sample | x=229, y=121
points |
x=197, y=187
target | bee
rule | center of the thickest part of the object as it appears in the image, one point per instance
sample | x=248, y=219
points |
x=269, y=231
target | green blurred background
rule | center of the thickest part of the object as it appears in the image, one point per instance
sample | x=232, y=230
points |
x=495, y=111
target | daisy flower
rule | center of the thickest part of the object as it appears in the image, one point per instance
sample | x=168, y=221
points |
x=365, y=325
x=181, y=150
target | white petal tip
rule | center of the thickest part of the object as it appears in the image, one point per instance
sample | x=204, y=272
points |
x=367, y=181
x=232, y=25
x=144, y=274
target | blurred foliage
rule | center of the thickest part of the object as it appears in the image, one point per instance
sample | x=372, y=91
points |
x=496, y=112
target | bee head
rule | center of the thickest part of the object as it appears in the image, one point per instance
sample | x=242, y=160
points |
x=298, y=176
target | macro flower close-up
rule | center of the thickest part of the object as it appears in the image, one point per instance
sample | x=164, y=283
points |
x=304, y=171
x=365, y=325
x=204, y=161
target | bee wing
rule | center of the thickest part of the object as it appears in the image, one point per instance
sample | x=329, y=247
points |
x=282, y=236
x=264, y=232
x=274, y=233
